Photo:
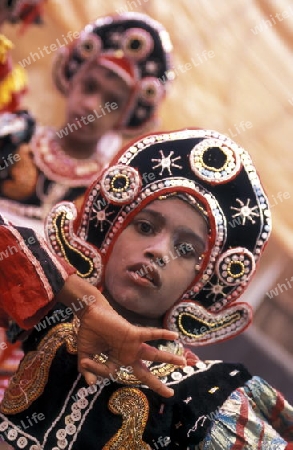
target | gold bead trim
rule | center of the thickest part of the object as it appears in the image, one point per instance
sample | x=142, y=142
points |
x=117, y=177
x=61, y=246
x=235, y=264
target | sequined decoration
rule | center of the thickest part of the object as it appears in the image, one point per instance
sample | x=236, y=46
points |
x=245, y=211
x=101, y=216
x=215, y=161
x=151, y=91
x=133, y=406
x=61, y=237
x=166, y=162
x=120, y=184
x=137, y=44
x=235, y=266
x=198, y=326
x=89, y=47
x=29, y=381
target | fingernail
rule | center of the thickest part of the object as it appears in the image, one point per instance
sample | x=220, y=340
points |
x=171, y=391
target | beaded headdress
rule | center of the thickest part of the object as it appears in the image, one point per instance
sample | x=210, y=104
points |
x=134, y=46
x=211, y=170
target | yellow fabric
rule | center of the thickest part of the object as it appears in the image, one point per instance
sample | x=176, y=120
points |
x=14, y=83
x=5, y=46
x=233, y=61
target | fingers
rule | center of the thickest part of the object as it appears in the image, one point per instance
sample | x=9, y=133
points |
x=149, y=353
x=91, y=370
x=150, y=334
x=147, y=378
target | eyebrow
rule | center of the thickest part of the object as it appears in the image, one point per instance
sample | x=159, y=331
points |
x=160, y=218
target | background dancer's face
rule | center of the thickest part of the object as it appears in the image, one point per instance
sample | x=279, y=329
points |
x=153, y=260
x=100, y=96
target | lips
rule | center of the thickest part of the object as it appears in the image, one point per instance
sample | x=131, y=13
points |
x=145, y=274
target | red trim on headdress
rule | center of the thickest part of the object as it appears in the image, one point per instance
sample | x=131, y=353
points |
x=122, y=66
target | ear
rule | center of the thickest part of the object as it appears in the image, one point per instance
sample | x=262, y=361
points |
x=64, y=242
x=198, y=327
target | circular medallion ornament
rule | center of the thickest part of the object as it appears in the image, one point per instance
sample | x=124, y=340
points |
x=235, y=266
x=89, y=46
x=151, y=91
x=120, y=184
x=214, y=161
x=137, y=44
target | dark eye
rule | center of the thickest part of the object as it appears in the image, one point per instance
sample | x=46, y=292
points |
x=90, y=86
x=144, y=227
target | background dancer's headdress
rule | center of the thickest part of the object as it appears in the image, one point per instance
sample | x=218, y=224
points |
x=135, y=47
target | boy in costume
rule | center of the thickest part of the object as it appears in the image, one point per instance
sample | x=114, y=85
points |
x=111, y=75
x=154, y=236
x=41, y=274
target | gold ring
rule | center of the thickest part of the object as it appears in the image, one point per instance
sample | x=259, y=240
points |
x=101, y=358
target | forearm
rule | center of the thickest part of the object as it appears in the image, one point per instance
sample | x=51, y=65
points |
x=79, y=295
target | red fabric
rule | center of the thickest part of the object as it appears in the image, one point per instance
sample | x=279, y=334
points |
x=241, y=424
x=289, y=446
x=23, y=295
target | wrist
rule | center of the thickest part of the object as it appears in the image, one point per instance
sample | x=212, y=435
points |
x=80, y=296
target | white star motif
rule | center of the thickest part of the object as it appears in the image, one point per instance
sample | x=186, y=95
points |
x=166, y=162
x=215, y=290
x=141, y=113
x=151, y=67
x=115, y=37
x=245, y=211
x=101, y=217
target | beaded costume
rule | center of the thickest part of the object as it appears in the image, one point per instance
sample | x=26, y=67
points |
x=133, y=46
x=216, y=405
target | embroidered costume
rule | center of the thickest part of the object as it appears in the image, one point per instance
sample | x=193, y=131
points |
x=137, y=49
x=216, y=405
x=28, y=270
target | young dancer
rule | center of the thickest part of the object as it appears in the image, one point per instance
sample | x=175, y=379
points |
x=111, y=76
x=154, y=236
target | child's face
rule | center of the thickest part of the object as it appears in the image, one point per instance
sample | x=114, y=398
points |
x=153, y=260
x=98, y=95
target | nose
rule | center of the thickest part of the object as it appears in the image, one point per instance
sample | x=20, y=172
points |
x=90, y=102
x=157, y=249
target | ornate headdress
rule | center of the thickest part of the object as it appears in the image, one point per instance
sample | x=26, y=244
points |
x=134, y=46
x=211, y=170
